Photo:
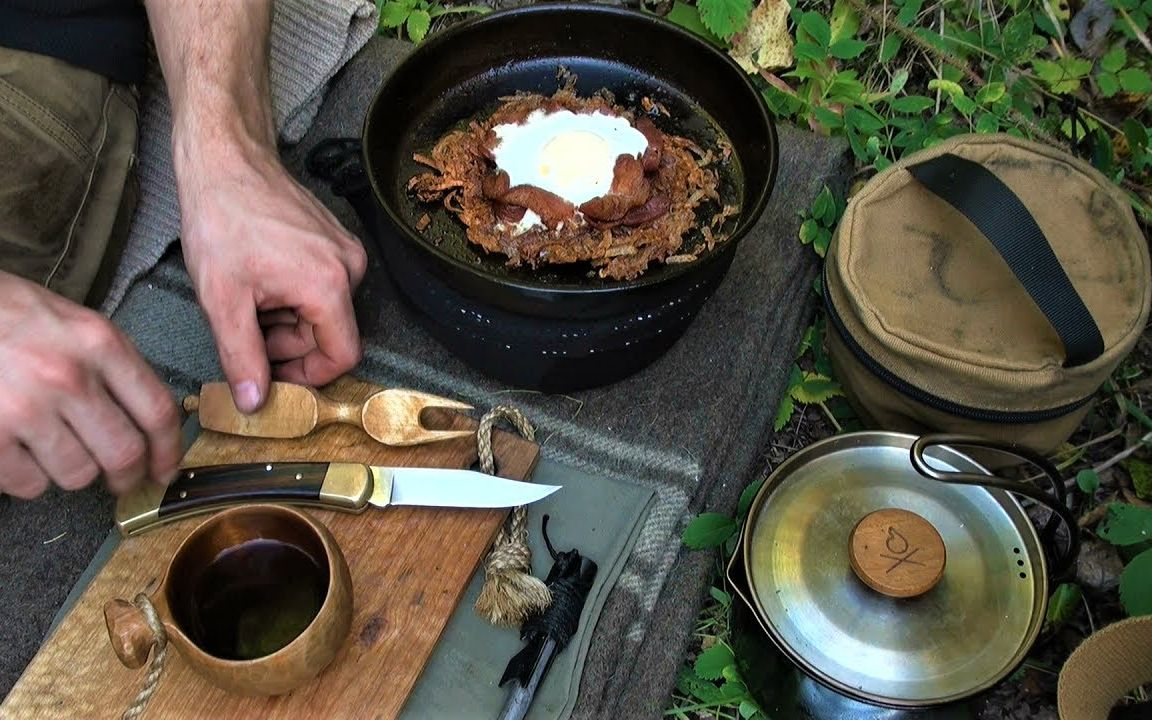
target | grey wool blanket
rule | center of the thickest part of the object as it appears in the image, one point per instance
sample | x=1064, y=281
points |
x=693, y=426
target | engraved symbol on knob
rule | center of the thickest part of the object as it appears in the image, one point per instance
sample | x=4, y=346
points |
x=898, y=546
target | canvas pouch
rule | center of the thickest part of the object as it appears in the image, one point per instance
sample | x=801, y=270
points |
x=987, y=285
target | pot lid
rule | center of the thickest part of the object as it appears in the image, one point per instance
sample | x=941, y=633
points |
x=888, y=586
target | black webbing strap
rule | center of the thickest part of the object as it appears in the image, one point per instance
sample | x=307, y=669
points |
x=996, y=211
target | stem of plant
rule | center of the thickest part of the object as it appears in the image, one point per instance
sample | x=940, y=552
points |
x=1135, y=411
x=831, y=417
x=1136, y=29
x=694, y=708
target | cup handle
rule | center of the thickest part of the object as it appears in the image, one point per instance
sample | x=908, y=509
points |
x=1056, y=501
x=131, y=637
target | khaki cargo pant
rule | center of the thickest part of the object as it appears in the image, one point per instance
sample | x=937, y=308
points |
x=67, y=190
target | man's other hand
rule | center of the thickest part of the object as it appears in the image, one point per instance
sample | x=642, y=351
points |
x=76, y=399
x=273, y=270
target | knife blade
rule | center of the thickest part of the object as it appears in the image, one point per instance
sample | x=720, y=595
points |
x=350, y=487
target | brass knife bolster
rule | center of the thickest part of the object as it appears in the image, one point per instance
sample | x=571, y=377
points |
x=343, y=486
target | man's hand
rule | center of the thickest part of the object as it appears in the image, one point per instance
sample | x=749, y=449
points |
x=264, y=254
x=273, y=269
x=76, y=399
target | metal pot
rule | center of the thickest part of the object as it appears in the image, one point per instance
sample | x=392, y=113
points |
x=883, y=575
x=552, y=328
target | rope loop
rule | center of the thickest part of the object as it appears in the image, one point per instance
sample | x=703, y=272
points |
x=511, y=593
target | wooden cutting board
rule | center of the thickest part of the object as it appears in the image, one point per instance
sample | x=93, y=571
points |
x=409, y=568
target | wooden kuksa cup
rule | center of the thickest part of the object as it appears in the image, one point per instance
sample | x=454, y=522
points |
x=274, y=674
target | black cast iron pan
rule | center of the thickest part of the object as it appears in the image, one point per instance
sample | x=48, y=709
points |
x=565, y=313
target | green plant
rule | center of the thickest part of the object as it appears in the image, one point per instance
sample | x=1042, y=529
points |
x=896, y=77
x=414, y=17
x=724, y=18
x=1129, y=528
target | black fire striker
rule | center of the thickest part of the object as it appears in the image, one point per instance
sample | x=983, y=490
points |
x=547, y=633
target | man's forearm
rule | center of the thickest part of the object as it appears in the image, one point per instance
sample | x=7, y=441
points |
x=214, y=54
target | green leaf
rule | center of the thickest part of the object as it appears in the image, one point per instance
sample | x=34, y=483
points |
x=827, y=118
x=748, y=709
x=824, y=206
x=1045, y=23
x=688, y=17
x=418, y=24
x=965, y=105
x=393, y=14
x=1088, y=481
x=1064, y=75
x=816, y=388
x=809, y=229
x=711, y=663
x=795, y=377
x=899, y=80
x=845, y=21
x=748, y=496
x=991, y=92
x=1136, y=585
x=988, y=123
x=1135, y=80
x=847, y=49
x=1016, y=36
x=688, y=683
x=822, y=241
x=1108, y=83
x=708, y=530
x=863, y=121
x=1063, y=604
x=890, y=47
x=912, y=104
x=1141, y=473
x=724, y=17
x=810, y=51
x=1136, y=133
x=909, y=12
x=1114, y=59
x=720, y=596
x=817, y=28
x=1126, y=524
x=732, y=691
x=948, y=87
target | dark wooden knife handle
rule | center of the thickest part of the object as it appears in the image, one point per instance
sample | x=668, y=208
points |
x=197, y=489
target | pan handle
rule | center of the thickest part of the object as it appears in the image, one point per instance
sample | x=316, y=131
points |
x=338, y=162
x=1056, y=501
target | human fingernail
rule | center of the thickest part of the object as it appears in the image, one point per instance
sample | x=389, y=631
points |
x=247, y=396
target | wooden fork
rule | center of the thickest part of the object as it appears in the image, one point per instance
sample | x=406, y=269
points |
x=390, y=416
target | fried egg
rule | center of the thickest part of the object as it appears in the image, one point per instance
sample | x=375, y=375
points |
x=569, y=154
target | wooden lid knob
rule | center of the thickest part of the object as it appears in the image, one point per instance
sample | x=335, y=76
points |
x=897, y=553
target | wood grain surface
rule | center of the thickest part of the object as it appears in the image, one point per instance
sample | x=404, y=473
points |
x=409, y=568
x=391, y=416
x=897, y=553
